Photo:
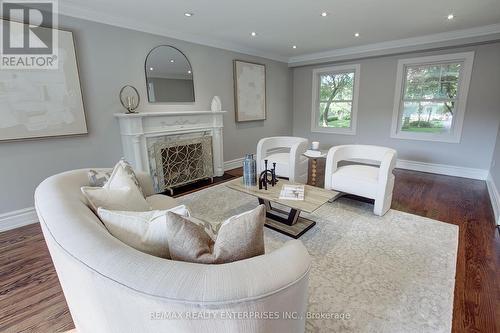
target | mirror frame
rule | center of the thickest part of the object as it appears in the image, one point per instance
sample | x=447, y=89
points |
x=146, y=75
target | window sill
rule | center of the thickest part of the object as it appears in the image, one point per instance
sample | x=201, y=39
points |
x=448, y=138
x=333, y=130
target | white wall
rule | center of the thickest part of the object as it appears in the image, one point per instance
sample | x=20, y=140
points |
x=376, y=98
x=494, y=179
x=110, y=57
x=495, y=163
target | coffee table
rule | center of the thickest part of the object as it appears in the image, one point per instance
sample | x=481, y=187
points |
x=288, y=222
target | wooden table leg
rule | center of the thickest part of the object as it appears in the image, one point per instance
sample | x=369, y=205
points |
x=314, y=164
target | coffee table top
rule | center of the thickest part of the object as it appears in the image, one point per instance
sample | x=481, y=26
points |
x=314, y=197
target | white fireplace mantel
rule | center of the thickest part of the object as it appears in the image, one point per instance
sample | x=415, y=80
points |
x=136, y=128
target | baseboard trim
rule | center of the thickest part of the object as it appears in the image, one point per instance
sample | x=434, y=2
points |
x=233, y=164
x=443, y=169
x=494, y=197
x=18, y=218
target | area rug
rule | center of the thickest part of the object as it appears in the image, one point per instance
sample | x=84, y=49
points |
x=394, y=273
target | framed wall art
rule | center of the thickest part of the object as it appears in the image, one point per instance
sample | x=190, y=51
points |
x=249, y=91
x=39, y=103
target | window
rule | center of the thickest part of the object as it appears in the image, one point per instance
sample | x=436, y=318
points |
x=431, y=95
x=335, y=97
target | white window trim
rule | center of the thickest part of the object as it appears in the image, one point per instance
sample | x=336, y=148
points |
x=463, y=89
x=315, y=100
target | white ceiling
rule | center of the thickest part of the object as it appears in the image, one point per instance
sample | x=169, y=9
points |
x=282, y=23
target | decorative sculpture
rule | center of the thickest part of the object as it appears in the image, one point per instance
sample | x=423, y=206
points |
x=216, y=104
x=264, y=176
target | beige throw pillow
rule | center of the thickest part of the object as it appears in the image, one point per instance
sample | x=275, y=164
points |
x=144, y=231
x=239, y=237
x=121, y=191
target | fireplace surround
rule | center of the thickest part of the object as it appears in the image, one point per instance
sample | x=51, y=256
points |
x=175, y=148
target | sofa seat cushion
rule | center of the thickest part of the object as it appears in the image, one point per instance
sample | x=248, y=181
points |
x=282, y=161
x=360, y=180
x=161, y=202
x=239, y=237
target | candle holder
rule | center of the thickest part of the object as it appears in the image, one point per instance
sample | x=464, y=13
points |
x=267, y=177
x=129, y=98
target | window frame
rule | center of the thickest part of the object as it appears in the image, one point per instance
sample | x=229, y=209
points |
x=316, y=99
x=455, y=134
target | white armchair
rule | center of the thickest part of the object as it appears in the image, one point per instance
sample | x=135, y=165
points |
x=292, y=164
x=362, y=180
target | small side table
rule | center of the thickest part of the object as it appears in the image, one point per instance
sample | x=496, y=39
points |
x=314, y=163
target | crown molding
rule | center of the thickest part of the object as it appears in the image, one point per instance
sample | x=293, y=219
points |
x=72, y=10
x=445, y=39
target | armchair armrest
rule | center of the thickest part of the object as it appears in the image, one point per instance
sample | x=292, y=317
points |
x=332, y=160
x=386, y=166
x=262, y=147
x=296, y=150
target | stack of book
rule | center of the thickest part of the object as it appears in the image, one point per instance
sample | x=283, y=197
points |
x=292, y=192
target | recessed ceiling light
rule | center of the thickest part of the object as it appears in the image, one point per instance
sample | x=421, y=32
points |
x=253, y=33
x=294, y=47
x=189, y=72
x=356, y=34
x=150, y=68
x=324, y=14
x=188, y=14
x=171, y=60
x=451, y=17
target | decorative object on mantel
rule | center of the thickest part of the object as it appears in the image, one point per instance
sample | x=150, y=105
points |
x=249, y=91
x=216, y=104
x=40, y=103
x=264, y=177
x=249, y=170
x=130, y=98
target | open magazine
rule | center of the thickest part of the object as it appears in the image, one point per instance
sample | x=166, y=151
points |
x=292, y=192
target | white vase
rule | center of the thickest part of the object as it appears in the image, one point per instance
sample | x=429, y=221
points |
x=216, y=104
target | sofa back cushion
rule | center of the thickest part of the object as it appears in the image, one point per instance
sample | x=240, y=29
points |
x=144, y=231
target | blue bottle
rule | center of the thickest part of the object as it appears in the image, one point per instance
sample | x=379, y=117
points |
x=249, y=170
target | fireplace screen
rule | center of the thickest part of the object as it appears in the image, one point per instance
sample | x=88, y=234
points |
x=183, y=161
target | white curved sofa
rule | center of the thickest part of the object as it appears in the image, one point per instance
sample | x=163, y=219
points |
x=111, y=287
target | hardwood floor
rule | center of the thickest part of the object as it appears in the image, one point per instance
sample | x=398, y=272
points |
x=31, y=298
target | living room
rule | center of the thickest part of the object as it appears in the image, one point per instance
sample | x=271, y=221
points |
x=358, y=157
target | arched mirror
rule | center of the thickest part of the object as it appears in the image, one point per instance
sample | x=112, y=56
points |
x=169, y=76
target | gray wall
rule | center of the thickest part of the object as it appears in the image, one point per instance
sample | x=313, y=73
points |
x=110, y=57
x=375, y=108
x=495, y=163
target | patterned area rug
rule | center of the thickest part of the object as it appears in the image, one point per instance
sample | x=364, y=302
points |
x=369, y=274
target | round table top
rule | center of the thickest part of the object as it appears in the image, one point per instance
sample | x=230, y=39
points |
x=310, y=153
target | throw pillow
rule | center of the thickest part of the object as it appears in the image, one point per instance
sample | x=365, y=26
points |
x=121, y=192
x=98, y=177
x=239, y=237
x=144, y=231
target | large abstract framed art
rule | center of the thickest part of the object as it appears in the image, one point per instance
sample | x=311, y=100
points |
x=249, y=91
x=39, y=103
